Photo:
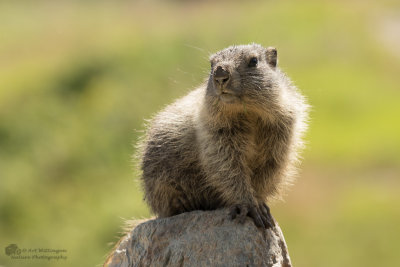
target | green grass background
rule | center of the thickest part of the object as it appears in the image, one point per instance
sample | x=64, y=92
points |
x=78, y=78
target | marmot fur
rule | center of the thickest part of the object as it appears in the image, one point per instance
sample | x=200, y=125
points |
x=232, y=142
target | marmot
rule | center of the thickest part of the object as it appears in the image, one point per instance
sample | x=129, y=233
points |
x=232, y=142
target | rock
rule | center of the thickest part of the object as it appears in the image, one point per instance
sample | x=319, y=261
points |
x=200, y=238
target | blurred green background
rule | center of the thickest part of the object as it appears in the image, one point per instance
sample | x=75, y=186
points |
x=78, y=78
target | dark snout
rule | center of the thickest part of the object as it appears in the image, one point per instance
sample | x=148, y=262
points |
x=221, y=77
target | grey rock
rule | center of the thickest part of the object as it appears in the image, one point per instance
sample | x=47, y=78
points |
x=200, y=238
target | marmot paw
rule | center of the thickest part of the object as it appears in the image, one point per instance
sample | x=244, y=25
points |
x=259, y=213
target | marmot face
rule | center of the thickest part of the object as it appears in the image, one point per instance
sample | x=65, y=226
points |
x=242, y=75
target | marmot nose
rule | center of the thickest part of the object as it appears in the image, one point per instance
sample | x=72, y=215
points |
x=221, y=76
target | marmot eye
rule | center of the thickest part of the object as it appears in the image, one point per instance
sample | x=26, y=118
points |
x=253, y=62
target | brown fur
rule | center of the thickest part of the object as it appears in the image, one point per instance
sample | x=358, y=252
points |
x=209, y=150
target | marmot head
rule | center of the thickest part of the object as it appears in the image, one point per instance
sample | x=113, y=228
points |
x=243, y=75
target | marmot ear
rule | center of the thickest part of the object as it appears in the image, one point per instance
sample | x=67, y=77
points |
x=272, y=56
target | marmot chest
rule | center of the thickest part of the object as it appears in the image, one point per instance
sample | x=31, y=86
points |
x=255, y=151
x=254, y=143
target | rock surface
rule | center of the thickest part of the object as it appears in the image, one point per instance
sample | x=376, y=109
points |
x=200, y=238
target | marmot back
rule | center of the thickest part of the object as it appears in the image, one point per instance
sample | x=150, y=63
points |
x=232, y=142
